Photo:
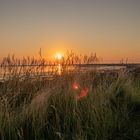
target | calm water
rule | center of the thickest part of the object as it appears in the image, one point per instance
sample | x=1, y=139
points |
x=49, y=71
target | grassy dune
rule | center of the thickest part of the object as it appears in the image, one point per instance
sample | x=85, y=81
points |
x=73, y=106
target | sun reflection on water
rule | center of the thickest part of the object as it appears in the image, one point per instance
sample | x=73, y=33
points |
x=59, y=69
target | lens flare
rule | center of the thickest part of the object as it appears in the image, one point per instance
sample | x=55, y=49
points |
x=75, y=86
x=83, y=93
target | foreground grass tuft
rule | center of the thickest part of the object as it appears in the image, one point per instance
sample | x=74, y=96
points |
x=52, y=111
x=71, y=106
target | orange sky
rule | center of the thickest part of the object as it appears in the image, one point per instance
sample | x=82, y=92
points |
x=109, y=28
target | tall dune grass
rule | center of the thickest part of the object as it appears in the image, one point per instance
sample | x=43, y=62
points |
x=39, y=108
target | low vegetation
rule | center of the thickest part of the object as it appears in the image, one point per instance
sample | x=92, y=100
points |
x=75, y=105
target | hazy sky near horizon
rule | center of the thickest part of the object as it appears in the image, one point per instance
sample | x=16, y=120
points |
x=111, y=28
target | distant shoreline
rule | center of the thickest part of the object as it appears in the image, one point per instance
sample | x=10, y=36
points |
x=82, y=65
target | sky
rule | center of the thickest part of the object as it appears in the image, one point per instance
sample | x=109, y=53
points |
x=111, y=28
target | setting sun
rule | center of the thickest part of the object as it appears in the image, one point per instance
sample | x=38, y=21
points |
x=58, y=56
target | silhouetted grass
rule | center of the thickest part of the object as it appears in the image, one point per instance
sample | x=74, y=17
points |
x=75, y=105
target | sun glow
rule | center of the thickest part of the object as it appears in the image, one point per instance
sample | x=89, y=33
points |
x=58, y=56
